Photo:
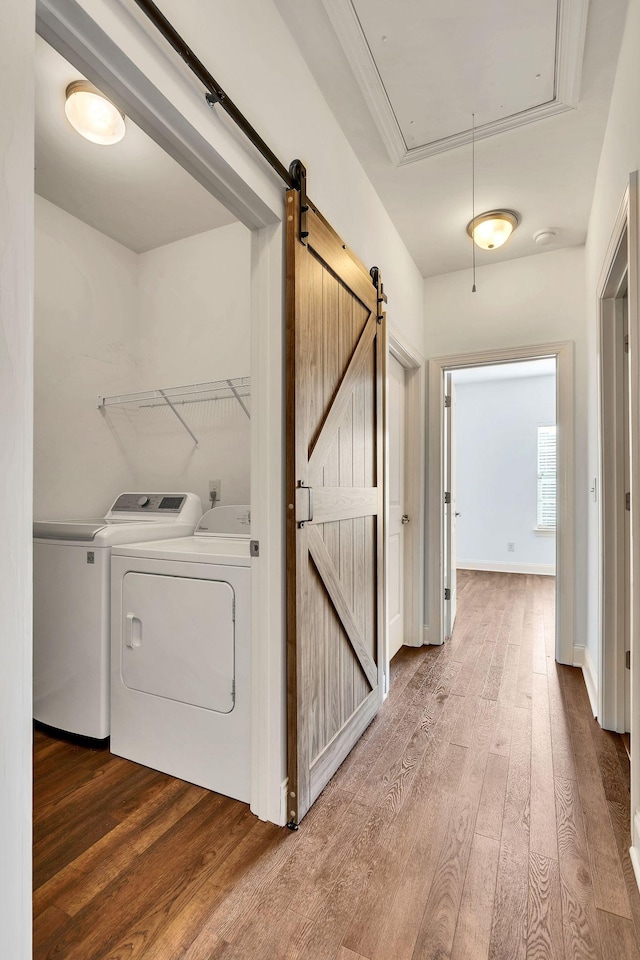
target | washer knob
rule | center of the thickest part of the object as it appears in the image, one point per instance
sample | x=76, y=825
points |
x=143, y=501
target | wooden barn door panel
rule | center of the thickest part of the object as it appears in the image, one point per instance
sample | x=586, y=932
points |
x=335, y=383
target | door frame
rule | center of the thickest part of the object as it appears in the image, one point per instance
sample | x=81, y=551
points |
x=73, y=33
x=449, y=538
x=611, y=514
x=563, y=352
x=414, y=463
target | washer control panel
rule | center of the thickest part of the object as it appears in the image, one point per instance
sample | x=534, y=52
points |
x=163, y=503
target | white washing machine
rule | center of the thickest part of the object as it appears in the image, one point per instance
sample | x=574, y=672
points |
x=180, y=657
x=72, y=603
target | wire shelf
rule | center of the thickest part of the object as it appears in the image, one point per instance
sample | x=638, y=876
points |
x=238, y=388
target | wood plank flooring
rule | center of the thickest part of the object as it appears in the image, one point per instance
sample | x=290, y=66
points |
x=484, y=815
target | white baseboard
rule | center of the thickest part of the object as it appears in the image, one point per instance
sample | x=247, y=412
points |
x=633, y=851
x=428, y=637
x=496, y=566
x=578, y=655
x=582, y=658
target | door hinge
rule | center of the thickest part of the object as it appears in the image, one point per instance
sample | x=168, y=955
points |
x=447, y=401
x=626, y=343
x=233, y=689
x=447, y=497
x=254, y=548
x=233, y=609
x=627, y=501
x=447, y=593
x=627, y=659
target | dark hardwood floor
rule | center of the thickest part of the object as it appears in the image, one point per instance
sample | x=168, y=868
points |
x=483, y=816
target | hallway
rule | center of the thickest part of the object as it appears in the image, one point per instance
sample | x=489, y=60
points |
x=484, y=814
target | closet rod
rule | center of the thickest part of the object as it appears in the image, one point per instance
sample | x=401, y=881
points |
x=215, y=92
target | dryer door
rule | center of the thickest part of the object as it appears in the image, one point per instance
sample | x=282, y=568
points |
x=178, y=639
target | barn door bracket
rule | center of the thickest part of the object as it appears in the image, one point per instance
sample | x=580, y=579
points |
x=376, y=279
x=292, y=825
x=298, y=173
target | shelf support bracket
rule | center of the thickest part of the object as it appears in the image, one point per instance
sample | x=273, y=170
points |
x=239, y=399
x=187, y=428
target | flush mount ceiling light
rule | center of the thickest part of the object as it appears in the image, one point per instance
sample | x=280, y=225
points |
x=490, y=230
x=92, y=114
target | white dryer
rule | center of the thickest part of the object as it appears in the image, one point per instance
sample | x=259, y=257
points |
x=180, y=657
x=72, y=603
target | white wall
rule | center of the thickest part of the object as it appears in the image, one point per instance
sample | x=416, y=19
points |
x=537, y=299
x=86, y=344
x=16, y=401
x=194, y=314
x=496, y=443
x=109, y=321
x=620, y=155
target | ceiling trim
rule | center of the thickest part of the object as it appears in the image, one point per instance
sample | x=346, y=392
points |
x=570, y=42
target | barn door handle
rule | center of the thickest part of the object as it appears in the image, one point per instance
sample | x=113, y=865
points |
x=309, y=517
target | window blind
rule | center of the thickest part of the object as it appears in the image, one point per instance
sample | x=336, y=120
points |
x=546, y=518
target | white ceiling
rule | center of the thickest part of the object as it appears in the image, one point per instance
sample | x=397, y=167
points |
x=537, y=74
x=131, y=191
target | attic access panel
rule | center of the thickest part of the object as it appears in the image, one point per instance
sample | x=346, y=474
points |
x=424, y=66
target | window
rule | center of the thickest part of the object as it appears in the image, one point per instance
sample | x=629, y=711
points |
x=546, y=519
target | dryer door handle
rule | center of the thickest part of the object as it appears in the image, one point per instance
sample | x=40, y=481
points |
x=134, y=631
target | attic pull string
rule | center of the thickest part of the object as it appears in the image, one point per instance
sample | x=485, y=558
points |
x=473, y=196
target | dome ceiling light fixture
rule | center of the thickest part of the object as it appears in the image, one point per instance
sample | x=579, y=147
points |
x=92, y=114
x=490, y=230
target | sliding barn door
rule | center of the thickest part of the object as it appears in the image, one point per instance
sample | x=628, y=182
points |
x=335, y=370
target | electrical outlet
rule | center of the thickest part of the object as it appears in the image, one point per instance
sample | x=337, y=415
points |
x=511, y=547
x=215, y=487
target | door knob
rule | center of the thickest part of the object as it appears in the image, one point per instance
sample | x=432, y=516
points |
x=405, y=518
x=458, y=514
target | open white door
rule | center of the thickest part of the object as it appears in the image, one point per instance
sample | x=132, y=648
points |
x=450, y=512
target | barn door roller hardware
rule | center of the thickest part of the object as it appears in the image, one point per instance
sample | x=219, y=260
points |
x=376, y=279
x=215, y=94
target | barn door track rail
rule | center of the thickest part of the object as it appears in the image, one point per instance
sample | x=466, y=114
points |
x=215, y=94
